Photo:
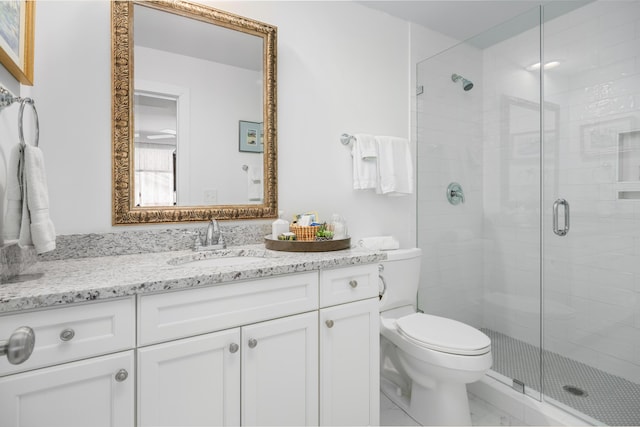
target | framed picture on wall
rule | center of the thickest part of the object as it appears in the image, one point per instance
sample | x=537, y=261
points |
x=16, y=38
x=251, y=137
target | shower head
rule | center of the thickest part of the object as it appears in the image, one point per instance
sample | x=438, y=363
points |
x=466, y=84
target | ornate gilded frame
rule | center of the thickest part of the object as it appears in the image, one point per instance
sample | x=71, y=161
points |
x=123, y=211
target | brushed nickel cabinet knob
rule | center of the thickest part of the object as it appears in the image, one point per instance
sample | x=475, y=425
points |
x=19, y=346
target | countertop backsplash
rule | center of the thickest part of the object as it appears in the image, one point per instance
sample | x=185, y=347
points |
x=14, y=260
x=149, y=241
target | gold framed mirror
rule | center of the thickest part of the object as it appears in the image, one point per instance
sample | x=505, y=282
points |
x=155, y=172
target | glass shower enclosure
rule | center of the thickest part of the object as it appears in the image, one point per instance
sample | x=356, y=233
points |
x=543, y=255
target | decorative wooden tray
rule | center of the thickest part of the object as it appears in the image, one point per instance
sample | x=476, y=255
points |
x=308, y=246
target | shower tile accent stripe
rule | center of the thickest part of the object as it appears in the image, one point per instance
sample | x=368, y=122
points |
x=608, y=398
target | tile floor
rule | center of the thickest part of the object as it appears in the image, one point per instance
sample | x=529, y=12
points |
x=482, y=414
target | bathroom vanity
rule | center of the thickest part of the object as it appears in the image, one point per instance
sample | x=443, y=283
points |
x=167, y=339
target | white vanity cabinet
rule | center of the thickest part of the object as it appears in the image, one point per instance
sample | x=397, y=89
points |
x=279, y=372
x=292, y=349
x=191, y=382
x=261, y=369
x=197, y=381
x=78, y=374
x=349, y=346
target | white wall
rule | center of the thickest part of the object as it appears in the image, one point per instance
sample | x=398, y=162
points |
x=337, y=72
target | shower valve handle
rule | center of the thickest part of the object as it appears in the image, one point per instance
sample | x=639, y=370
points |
x=455, y=194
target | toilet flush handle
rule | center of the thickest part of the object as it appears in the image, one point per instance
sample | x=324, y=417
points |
x=384, y=283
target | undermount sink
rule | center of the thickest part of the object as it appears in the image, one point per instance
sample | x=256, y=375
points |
x=223, y=261
x=223, y=258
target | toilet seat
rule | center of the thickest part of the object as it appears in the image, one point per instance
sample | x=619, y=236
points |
x=444, y=335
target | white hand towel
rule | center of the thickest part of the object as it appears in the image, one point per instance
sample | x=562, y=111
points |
x=378, y=243
x=395, y=168
x=36, y=224
x=13, y=217
x=254, y=184
x=365, y=171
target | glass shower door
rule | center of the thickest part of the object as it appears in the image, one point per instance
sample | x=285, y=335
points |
x=591, y=279
x=481, y=262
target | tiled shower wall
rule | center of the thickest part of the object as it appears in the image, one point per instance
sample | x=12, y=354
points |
x=595, y=271
x=511, y=133
x=482, y=258
x=592, y=275
x=449, y=126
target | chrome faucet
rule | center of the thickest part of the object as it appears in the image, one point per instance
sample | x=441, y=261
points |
x=212, y=239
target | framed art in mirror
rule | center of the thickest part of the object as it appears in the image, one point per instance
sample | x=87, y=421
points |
x=251, y=138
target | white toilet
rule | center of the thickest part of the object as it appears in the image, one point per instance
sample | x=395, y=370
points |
x=425, y=361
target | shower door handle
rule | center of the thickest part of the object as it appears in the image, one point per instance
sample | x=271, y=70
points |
x=556, y=227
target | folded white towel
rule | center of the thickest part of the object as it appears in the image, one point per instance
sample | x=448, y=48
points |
x=368, y=146
x=378, y=243
x=395, y=167
x=365, y=171
x=36, y=226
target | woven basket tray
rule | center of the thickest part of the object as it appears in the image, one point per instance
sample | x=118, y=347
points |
x=304, y=233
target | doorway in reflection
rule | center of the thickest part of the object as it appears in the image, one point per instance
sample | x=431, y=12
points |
x=155, y=150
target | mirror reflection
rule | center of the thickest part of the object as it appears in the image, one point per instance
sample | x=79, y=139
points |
x=213, y=76
x=156, y=149
x=194, y=114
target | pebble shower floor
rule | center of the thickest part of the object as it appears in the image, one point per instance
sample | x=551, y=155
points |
x=605, y=397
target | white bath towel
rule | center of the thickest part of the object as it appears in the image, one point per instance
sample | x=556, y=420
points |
x=364, y=151
x=28, y=214
x=13, y=216
x=395, y=167
x=43, y=233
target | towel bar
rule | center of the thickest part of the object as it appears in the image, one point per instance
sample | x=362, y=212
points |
x=6, y=99
x=346, y=139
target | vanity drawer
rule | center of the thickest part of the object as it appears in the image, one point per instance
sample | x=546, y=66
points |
x=342, y=285
x=171, y=315
x=72, y=332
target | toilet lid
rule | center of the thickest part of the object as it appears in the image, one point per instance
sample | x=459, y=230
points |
x=442, y=334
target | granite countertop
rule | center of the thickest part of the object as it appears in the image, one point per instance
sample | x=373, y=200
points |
x=55, y=283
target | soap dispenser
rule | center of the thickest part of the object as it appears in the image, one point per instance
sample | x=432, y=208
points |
x=279, y=226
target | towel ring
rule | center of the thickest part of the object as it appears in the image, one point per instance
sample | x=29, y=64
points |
x=23, y=102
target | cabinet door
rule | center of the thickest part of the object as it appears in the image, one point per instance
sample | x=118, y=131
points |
x=90, y=393
x=191, y=382
x=349, y=364
x=280, y=371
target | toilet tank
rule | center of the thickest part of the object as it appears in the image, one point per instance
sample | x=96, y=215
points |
x=401, y=276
